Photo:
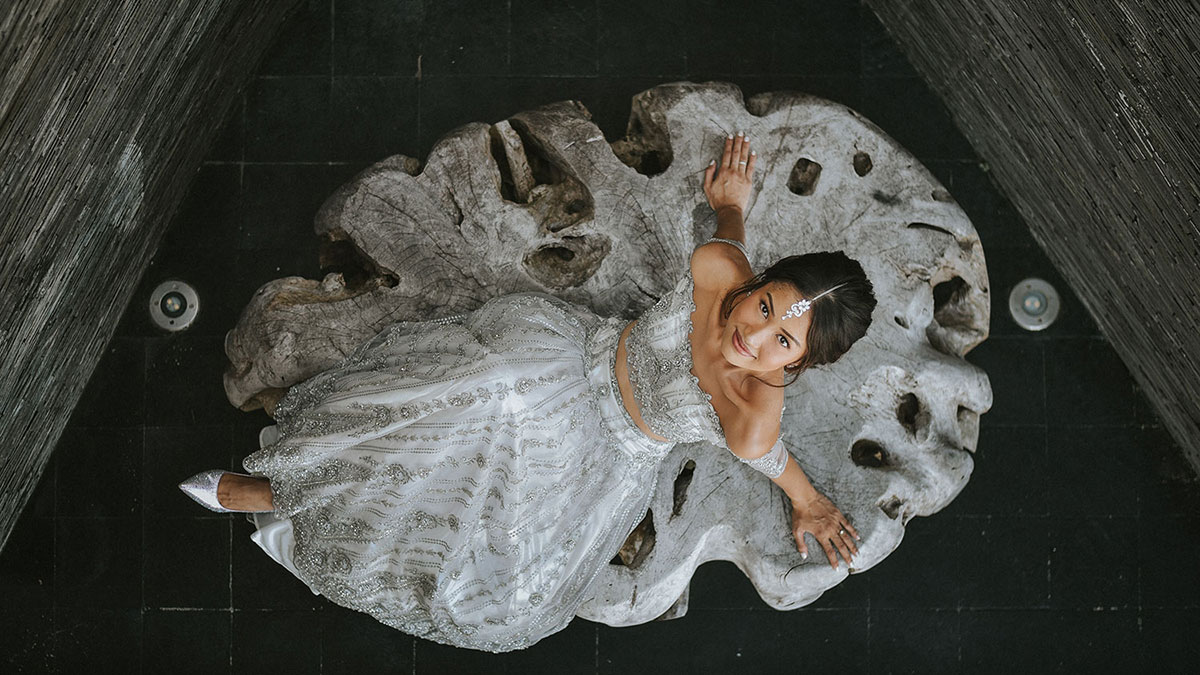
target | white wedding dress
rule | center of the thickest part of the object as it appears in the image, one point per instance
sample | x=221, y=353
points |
x=465, y=479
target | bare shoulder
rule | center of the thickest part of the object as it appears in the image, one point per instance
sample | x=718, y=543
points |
x=756, y=427
x=717, y=266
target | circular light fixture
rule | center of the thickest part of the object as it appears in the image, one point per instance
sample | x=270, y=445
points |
x=1034, y=304
x=174, y=305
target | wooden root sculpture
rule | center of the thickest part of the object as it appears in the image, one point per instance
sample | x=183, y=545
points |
x=541, y=201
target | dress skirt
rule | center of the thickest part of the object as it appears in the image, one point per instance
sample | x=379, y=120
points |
x=464, y=479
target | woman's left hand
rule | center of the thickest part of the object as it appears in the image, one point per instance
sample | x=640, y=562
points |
x=827, y=524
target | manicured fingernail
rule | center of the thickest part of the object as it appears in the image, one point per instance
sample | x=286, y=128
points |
x=739, y=133
x=754, y=152
x=731, y=137
x=746, y=138
x=711, y=162
x=804, y=556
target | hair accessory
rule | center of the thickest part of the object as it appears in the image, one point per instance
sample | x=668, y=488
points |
x=800, y=307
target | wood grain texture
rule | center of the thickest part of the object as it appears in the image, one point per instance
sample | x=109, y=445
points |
x=1087, y=114
x=106, y=111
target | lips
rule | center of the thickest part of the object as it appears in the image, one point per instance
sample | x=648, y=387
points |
x=739, y=345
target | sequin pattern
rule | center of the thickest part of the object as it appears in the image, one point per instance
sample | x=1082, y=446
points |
x=464, y=479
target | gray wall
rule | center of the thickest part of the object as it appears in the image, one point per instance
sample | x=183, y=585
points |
x=1087, y=114
x=106, y=110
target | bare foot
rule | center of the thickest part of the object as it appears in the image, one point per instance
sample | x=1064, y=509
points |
x=244, y=493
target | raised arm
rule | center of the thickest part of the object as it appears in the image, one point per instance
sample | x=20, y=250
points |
x=727, y=185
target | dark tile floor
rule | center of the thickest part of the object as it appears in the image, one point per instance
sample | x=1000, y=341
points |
x=1076, y=545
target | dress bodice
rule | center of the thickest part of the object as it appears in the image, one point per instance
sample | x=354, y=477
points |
x=659, y=353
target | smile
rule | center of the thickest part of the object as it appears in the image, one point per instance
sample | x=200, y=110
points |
x=739, y=345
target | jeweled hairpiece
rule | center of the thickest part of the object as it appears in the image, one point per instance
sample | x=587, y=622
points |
x=801, y=306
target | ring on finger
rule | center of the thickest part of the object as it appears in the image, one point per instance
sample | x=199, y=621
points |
x=741, y=162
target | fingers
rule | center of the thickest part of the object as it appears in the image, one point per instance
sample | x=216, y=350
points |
x=708, y=177
x=829, y=552
x=727, y=158
x=744, y=155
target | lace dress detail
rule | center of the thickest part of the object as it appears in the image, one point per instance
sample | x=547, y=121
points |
x=659, y=352
x=464, y=479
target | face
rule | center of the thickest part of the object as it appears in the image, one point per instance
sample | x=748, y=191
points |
x=754, y=325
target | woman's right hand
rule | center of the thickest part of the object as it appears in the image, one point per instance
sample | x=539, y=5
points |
x=734, y=175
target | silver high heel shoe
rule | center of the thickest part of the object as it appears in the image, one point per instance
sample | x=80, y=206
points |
x=203, y=488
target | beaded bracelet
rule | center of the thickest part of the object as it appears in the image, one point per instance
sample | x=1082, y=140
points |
x=740, y=246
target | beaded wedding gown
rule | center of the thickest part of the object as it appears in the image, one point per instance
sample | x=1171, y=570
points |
x=465, y=479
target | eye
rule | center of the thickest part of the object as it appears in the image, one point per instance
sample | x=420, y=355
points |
x=782, y=340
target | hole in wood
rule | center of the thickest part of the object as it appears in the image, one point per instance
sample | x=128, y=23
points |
x=638, y=545
x=862, y=163
x=682, y=481
x=804, y=177
x=868, y=453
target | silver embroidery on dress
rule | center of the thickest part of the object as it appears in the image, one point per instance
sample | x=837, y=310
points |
x=466, y=479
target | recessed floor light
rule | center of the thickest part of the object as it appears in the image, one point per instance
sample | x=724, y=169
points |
x=174, y=305
x=1034, y=304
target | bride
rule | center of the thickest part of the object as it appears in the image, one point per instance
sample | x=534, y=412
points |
x=465, y=479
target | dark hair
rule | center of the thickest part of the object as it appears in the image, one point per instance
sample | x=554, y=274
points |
x=839, y=318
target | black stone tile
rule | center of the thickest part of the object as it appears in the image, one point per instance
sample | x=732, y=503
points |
x=1041, y=641
x=853, y=592
x=1005, y=456
x=205, y=268
x=113, y=395
x=1004, y=562
x=282, y=202
x=1167, y=482
x=881, y=55
x=98, y=564
x=276, y=641
x=908, y=640
x=553, y=37
x=810, y=37
x=719, y=584
x=451, y=101
x=255, y=268
x=1015, y=371
x=184, y=385
x=41, y=503
x=911, y=114
x=709, y=640
x=996, y=220
x=1094, y=563
x=354, y=642
x=1009, y=266
x=722, y=39
x=571, y=650
x=27, y=640
x=461, y=37
x=1087, y=383
x=303, y=44
x=377, y=37
x=815, y=640
x=98, y=640
x=374, y=118
x=27, y=564
x=287, y=120
x=187, y=563
x=186, y=641
x=171, y=456
x=230, y=140
x=1167, y=556
x=924, y=571
x=99, y=472
x=210, y=214
x=1092, y=471
x=1144, y=411
x=261, y=583
x=1169, y=642
x=631, y=38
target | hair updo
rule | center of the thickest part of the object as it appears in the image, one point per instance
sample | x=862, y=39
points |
x=839, y=318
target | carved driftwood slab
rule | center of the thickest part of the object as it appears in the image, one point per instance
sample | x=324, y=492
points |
x=541, y=202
